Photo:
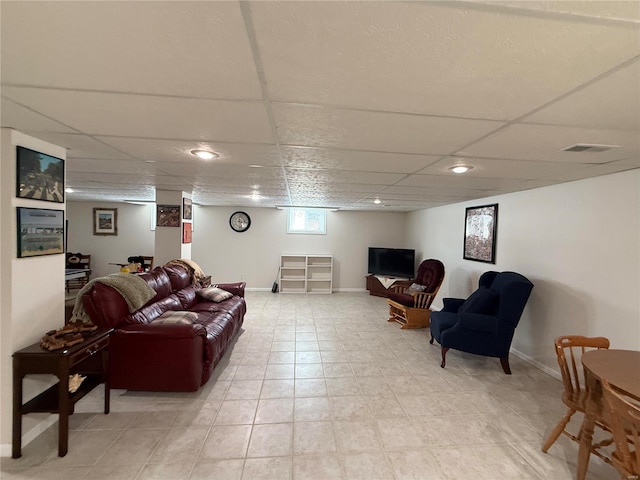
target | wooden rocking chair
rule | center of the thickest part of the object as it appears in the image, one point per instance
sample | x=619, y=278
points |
x=409, y=302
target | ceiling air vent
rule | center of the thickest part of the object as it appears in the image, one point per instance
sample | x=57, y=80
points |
x=587, y=147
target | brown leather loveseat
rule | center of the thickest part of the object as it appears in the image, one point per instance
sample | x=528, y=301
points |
x=151, y=355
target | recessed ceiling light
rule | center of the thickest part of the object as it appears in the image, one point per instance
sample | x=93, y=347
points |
x=69, y=190
x=460, y=168
x=205, y=154
x=377, y=201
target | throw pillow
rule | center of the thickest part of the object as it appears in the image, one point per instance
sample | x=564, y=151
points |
x=214, y=294
x=176, y=317
x=481, y=301
x=415, y=287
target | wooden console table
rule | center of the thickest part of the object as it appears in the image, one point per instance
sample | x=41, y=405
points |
x=89, y=358
x=377, y=289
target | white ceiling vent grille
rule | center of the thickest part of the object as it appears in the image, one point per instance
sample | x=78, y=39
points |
x=587, y=147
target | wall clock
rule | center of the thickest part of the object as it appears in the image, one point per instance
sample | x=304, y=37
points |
x=240, y=221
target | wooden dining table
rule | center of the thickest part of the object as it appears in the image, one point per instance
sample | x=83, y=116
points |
x=621, y=368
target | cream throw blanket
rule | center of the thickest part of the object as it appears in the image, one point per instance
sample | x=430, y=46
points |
x=135, y=291
x=192, y=267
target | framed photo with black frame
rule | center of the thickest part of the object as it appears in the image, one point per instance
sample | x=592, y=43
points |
x=39, y=176
x=40, y=231
x=168, y=215
x=187, y=209
x=480, y=233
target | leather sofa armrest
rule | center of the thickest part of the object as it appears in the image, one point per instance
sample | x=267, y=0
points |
x=478, y=322
x=235, y=288
x=163, y=331
x=451, y=304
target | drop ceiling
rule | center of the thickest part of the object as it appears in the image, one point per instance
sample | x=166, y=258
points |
x=329, y=104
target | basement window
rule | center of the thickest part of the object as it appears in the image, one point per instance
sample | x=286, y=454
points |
x=310, y=221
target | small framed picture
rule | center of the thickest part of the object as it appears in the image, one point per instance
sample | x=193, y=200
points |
x=40, y=232
x=187, y=212
x=39, y=176
x=105, y=221
x=480, y=230
x=168, y=215
x=186, y=232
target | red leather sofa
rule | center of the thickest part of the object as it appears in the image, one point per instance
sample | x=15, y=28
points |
x=166, y=357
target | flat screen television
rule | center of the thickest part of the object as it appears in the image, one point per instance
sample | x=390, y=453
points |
x=392, y=262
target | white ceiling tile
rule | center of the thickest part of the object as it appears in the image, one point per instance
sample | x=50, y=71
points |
x=610, y=9
x=149, y=116
x=334, y=176
x=328, y=158
x=99, y=166
x=376, y=131
x=20, y=118
x=474, y=183
x=491, y=168
x=612, y=103
x=179, y=151
x=412, y=56
x=81, y=146
x=177, y=48
x=545, y=142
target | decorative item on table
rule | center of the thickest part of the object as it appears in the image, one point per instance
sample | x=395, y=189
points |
x=67, y=336
x=75, y=381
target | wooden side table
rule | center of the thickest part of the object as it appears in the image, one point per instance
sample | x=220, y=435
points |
x=89, y=358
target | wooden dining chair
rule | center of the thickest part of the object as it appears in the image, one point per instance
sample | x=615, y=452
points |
x=624, y=414
x=569, y=350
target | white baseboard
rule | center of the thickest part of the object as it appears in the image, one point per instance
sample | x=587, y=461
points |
x=549, y=371
x=31, y=435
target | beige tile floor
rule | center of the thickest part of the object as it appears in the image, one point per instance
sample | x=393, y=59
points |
x=322, y=387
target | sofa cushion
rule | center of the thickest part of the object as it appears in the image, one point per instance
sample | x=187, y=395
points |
x=214, y=294
x=481, y=301
x=179, y=317
x=159, y=281
x=178, y=275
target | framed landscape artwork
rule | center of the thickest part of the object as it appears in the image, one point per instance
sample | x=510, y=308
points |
x=168, y=215
x=39, y=176
x=40, y=232
x=480, y=230
x=105, y=221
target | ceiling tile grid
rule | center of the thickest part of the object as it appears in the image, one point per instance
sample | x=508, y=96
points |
x=332, y=104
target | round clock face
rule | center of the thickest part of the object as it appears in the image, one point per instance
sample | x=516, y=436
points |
x=240, y=221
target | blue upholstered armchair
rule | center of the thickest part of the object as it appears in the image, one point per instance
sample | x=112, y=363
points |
x=484, y=323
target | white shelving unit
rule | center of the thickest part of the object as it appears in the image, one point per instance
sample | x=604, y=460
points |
x=306, y=273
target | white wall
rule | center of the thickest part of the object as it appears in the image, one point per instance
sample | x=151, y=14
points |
x=31, y=293
x=254, y=255
x=577, y=242
x=251, y=256
x=135, y=236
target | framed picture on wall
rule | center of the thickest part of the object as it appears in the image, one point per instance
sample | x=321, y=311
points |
x=105, y=221
x=168, y=215
x=39, y=176
x=187, y=212
x=40, y=232
x=186, y=232
x=480, y=231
